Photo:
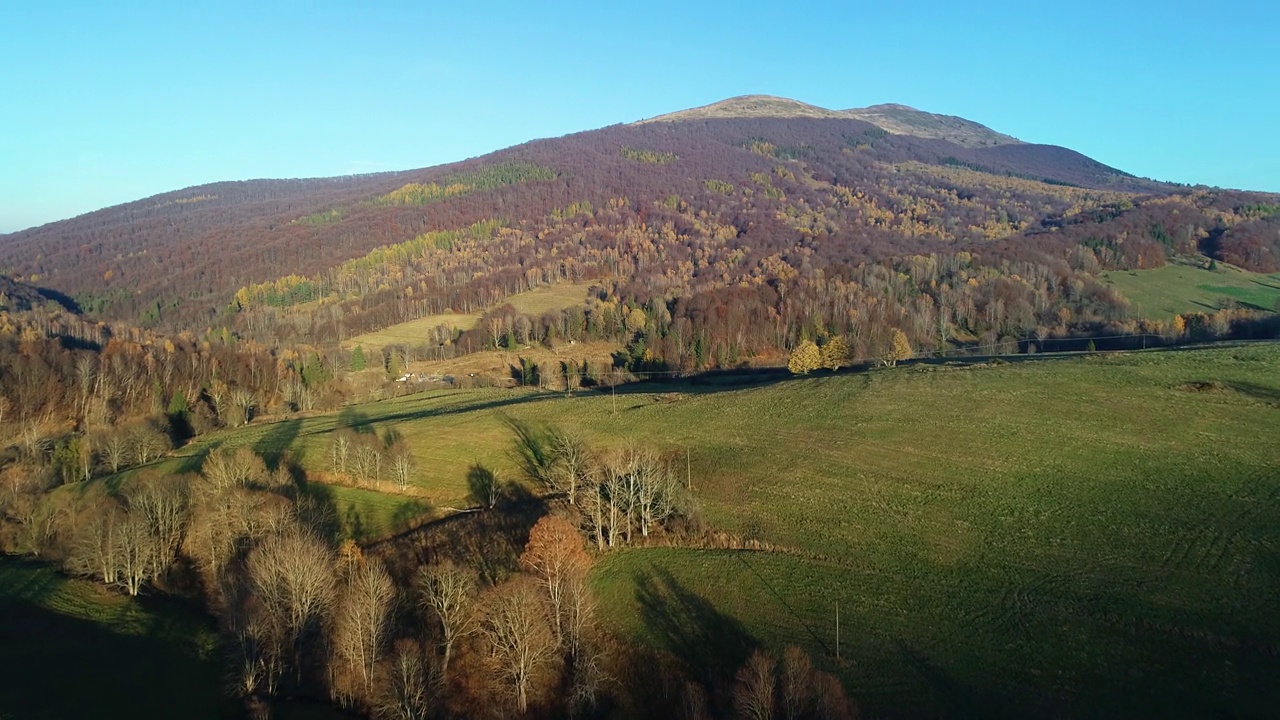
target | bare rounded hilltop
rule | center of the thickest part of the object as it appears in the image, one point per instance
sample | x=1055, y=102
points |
x=891, y=117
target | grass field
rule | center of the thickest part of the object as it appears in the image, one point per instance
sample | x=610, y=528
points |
x=1086, y=537
x=531, y=302
x=1174, y=289
x=71, y=649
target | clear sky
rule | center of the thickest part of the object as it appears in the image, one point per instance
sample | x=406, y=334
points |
x=107, y=102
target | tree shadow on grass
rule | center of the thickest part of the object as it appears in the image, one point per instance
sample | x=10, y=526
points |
x=278, y=438
x=710, y=644
x=193, y=462
x=960, y=700
x=59, y=665
x=318, y=509
x=488, y=540
x=362, y=423
x=1257, y=392
x=352, y=418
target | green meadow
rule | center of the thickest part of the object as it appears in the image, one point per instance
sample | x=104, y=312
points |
x=1095, y=536
x=1174, y=289
x=73, y=649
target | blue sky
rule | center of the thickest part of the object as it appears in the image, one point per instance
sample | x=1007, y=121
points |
x=103, y=103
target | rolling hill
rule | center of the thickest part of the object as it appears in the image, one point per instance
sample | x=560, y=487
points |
x=890, y=117
x=1078, y=537
x=124, y=262
x=230, y=374
x=703, y=220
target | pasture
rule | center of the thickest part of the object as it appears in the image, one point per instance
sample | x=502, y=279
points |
x=1093, y=536
x=73, y=649
x=1174, y=289
x=530, y=302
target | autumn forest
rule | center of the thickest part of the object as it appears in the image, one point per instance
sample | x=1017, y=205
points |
x=687, y=245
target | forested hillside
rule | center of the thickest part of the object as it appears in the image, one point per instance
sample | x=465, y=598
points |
x=712, y=236
x=124, y=262
x=216, y=394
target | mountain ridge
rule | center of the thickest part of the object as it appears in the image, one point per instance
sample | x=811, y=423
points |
x=760, y=184
x=895, y=118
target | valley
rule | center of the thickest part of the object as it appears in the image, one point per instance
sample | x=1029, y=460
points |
x=756, y=409
x=998, y=534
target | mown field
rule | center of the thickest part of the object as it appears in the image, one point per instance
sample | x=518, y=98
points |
x=1173, y=289
x=72, y=649
x=1068, y=537
x=531, y=302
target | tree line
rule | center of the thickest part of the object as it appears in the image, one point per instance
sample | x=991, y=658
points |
x=393, y=634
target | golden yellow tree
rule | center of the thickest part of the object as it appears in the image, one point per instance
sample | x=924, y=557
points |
x=899, y=348
x=805, y=357
x=834, y=353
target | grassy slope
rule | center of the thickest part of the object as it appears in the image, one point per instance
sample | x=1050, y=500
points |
x=1085, y=536
x=1078, y=537
x=71, y=649
x=1173, y=289
x=531, y=302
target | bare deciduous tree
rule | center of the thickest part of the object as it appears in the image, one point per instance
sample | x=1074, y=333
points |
x=574, y=464
x=243, y=403
x=136, y=554
x=587, y=682
x=830, y=701
x=693, y=702
x=340, y=453
x=239, y=467
x=292, y=576
x=406, y=696
x=94, y=548
x=448, y=593
x=161, y=503
x=753, y=693
x=522, y=645
x=797, y=683
x=484, y=486
x=86, y=368
x=115, y=448
x=146, y=442
x=367, y=458
x=402, y=469
x=653, y=489
x=595, y=512
x=225, y=521
x=362, y=616
x=614, y=491
x=34, y=442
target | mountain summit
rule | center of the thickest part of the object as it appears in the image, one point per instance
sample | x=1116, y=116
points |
x=749, y=106
x=893, y=118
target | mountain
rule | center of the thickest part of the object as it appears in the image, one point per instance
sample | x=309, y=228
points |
x=749, y=106
x=675, y=216
x=903, y=120
x=897, y=119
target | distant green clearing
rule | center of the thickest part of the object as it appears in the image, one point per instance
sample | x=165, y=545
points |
x=72, y=649
x=1086, y=537
x=1175, y=289
x=412, y=332
x=531, y=302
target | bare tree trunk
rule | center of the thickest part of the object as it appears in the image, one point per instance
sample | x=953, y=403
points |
x=448, y=592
